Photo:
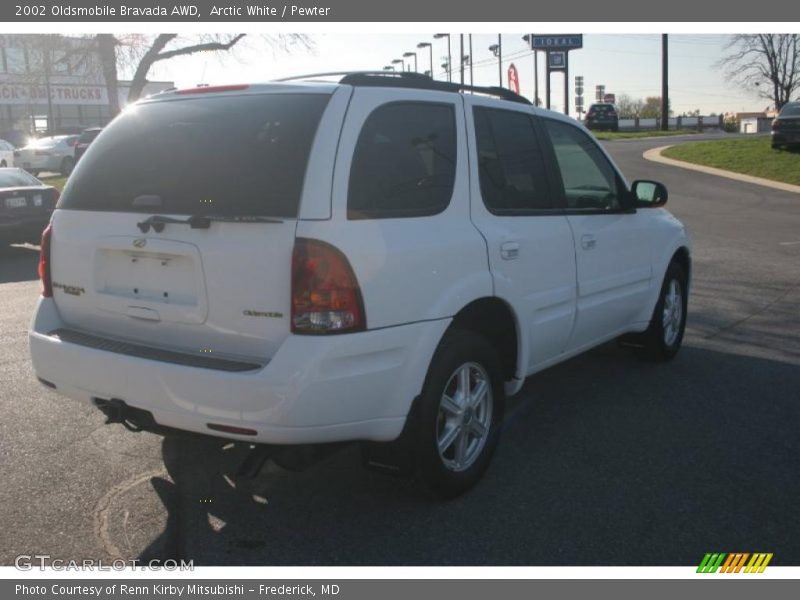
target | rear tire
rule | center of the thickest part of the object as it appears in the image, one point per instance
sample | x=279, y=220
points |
x=459, y=412
x=663, y=338
x=3, y=164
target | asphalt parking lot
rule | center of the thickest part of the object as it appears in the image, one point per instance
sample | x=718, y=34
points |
x=605, y=460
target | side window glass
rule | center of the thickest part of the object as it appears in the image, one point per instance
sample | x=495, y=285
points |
x=590, y=181
x=404, y=162
x=510, y=166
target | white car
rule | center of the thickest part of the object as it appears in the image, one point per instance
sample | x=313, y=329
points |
x=381, y=259
x=55, y=153
x=6, y=154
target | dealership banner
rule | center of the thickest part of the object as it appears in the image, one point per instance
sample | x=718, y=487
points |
x=388, y=589
x=301, y=11
x=29, y=93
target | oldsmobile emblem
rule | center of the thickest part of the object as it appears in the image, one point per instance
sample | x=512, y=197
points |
x=140, y=242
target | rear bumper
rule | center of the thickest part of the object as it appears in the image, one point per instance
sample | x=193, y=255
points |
x=22, y=229
x=786, y=137
x=602, y=124
x=316, y=389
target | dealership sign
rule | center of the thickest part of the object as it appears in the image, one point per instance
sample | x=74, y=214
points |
x=19, y=93
x=570, y=41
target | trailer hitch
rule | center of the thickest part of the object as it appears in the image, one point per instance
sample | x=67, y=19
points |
x=132, y=419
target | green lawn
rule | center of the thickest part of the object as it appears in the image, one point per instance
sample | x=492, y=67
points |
x=629, y=135
x=56, y=181
x=751, y=156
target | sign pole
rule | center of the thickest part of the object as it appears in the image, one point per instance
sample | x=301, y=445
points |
x=566, y=83
x=547, y=81
x=664, y=83
x=556, y=50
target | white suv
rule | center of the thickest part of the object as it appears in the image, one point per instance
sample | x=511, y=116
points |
x=380, y=259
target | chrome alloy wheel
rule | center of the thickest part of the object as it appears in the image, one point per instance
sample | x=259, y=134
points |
x=672, y=313
x=465, y=416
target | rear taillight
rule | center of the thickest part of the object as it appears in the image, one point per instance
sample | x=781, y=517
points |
x=44, y=263
x=325, y=294
x=612, y=114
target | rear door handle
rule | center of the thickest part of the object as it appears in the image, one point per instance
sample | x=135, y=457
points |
x=509, y=250
x=588, y=242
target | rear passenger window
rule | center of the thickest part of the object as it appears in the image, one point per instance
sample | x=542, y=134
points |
x=404, y=162
x=511, y=170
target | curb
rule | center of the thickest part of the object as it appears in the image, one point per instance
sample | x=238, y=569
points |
x=654, y=154
x=651, y=137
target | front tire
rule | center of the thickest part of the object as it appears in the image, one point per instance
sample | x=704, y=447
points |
x=664, y=336
x=459, y=413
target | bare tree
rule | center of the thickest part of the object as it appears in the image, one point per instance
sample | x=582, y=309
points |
x=651, y=109
x=106, y=52
x=628, y=107
x=766, y=63
x=136, y=54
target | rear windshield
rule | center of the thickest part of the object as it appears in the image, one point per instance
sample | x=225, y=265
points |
x=16, y=178
x=791, y=110
x=601, y=108
x=236, y=155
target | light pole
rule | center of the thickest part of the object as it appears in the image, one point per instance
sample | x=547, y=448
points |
x=47, y=58
x=399, y=61
x=529, y=38
x=470, y=59
x=429, y=46
x=497, y=50
x=438, y=36
x=461, y=55
x=409, y=55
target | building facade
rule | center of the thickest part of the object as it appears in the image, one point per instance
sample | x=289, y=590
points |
x=33, y=67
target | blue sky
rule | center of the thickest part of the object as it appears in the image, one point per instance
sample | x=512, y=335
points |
x=625, y=63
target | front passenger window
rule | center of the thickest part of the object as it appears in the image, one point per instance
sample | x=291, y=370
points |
x=590, y=182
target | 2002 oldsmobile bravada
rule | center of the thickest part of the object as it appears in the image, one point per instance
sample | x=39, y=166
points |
x=379, y=259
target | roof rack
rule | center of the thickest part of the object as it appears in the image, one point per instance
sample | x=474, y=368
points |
x=410, y=80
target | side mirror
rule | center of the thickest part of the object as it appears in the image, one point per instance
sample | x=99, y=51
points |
x=649, y=194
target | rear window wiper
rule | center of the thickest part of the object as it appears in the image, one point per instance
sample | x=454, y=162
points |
x=158, y=222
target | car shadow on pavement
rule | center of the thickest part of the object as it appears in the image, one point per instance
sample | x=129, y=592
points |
x=18, y=263
x=604, y=460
